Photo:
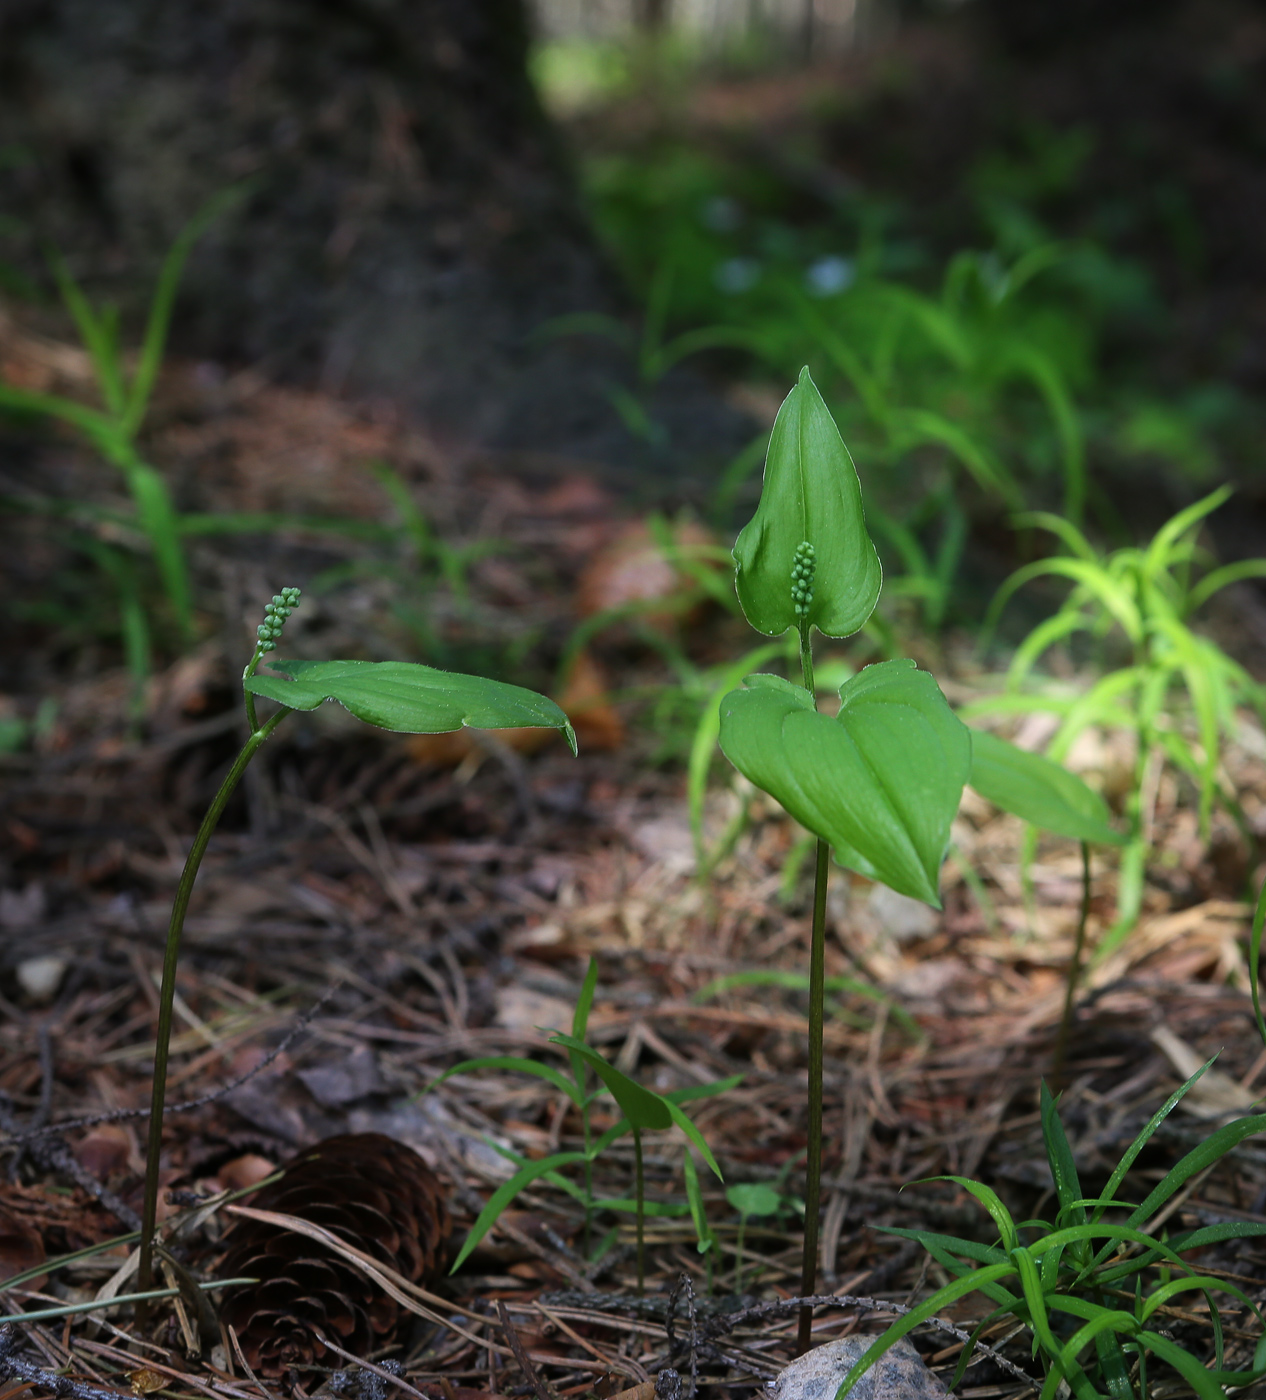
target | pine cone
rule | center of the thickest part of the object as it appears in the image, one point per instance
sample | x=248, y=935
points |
x=371, y=1191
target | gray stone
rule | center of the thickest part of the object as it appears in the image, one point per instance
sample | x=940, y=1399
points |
x=817, y=1375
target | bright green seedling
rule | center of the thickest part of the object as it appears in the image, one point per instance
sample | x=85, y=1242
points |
x=752, y=1200
x=1179, y=692
x=1093, y=1291
x=642, y=1110
x=402, y=697
x=882, y=780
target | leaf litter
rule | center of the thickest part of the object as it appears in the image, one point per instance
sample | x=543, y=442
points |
x=374, y=912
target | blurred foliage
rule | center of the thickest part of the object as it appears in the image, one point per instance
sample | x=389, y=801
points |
x=968, y=381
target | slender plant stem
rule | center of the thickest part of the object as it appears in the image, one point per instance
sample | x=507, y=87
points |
x=1074, y=974
x=817, y=991
x=167, y=992
x=639, y=1192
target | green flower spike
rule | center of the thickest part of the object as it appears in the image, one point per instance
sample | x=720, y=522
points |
x=802, y=570
x=275, y=615
x=809, y=520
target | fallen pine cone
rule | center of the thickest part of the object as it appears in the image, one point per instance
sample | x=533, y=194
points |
x=373, y=1192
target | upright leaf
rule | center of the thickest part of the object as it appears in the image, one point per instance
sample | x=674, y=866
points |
x=409, y=698
x=811, y=495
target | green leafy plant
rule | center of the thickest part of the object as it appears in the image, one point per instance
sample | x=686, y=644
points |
x=642, y=1110
x=881, y=781
x=1093, y=1287
x=757, y=1200
x=114, y=427
x=403, y=697
x=1177, y=691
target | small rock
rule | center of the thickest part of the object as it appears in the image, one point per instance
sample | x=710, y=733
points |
x=40, y=977
x=901, y=917
x=899, y=1374
x=336, y=1083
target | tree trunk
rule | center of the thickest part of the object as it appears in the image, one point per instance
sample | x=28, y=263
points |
x=408, y=224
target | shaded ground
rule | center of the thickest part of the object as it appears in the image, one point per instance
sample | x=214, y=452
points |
x=445, y=905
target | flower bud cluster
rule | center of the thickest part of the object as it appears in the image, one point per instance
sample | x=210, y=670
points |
x=275, y=615
x=802, y=571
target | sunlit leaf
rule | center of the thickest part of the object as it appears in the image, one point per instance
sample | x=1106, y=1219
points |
x=409, y=698
x=881, y=782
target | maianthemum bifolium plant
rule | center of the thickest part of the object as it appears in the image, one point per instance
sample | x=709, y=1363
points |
x=881, y=781
x=401, y=696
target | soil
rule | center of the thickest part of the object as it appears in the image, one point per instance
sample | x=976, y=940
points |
x=383, y=909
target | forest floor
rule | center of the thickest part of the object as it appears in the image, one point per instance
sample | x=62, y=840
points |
x=383, y=908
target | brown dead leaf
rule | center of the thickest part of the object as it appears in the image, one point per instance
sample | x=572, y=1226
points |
x=634, y=567
x=144, y=1381
x=584, y=700
x=107, y=1149
x=247, y=1170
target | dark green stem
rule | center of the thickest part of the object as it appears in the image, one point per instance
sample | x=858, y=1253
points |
x=1074, y=975
x=639, y=1190
x=817, y=991
x=167, y=992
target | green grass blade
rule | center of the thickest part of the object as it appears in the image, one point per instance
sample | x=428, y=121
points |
x=517, y=1063
x=157, y=516
x=96, y=333
x=132, y=411
x=1218, y=579
x=1203, y=1155
x=951, y=1293
x=1254, y=960
x=1202, y=1381
x=704, y=1091
x=1060, y=1156
x=505, y=1193
x=1159, y=552
x=1141, y=1141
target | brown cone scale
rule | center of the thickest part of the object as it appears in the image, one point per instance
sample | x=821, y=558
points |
x=373, y=1192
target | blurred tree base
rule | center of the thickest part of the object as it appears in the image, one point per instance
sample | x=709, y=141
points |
x=407, y=227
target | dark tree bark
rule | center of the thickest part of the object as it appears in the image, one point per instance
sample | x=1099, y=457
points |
x=409, y=224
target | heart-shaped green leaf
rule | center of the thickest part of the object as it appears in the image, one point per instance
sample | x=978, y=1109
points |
x=811, y=495
x=1032, y=787
x=409, y=698
x=881, y=782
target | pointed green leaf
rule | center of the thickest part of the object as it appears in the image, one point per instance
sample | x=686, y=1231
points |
x=642, y=1107
x=409, y=698
x=515, y=1062
x=881, y=782
x=505, y=1193
x=810, y=494
x=1038, y=790
x=693, y=1135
